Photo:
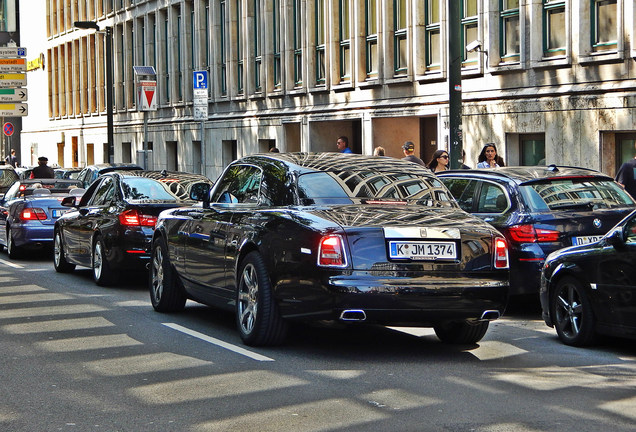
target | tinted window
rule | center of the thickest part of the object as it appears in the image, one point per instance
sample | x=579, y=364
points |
x=583, y=193
x=492, y=199
x=240, y=184
x=630, y=231
x=463, y=190
x=103, y=194
x=344, y=187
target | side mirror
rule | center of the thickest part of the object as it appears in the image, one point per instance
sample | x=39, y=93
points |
x=68, y=201
x=200, y=192
x=615, y=239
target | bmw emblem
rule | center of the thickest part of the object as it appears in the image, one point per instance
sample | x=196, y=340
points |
x=597, y=223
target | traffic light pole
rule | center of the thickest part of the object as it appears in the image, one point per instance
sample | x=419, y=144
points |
x=455, y=53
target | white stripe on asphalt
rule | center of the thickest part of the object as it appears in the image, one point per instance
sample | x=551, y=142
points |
x=10, y=264
x=218, y=342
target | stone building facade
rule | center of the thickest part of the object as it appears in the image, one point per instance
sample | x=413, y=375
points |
x=549, y=81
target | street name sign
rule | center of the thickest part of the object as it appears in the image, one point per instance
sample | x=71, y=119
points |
x=13, y=94
x=13, y=80
x=13, y=52
x=13, y=110
x=13, y=65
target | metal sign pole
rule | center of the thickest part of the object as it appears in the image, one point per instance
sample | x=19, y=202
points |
x=146, y=140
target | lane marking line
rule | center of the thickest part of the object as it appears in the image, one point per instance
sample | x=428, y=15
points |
x=10, y=264
x=218, y=342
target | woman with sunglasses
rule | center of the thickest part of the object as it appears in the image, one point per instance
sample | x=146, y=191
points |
x=439, y=161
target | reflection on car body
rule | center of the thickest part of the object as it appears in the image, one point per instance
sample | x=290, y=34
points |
x=590, y=289
x=111, y=227
x=298, y=236
x=540, y=210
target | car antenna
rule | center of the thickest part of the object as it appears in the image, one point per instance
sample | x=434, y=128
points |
x=164, y=173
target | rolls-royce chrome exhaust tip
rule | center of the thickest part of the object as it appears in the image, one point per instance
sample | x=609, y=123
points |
x=490, y=315
x=353, y=315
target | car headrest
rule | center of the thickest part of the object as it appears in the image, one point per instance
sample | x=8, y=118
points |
x=41, y=192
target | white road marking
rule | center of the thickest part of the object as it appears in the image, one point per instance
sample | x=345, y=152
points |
x=10, y=264
x=218, y=342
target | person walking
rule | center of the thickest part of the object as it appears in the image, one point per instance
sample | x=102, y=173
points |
x=343, y=144
x=626, y=176
x=12, y=159
x=439, y=161
x=42, y=170
x=409, y=150
x=489, y=158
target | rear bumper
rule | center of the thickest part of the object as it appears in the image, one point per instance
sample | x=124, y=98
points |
x=32, y=235
x=418, y=300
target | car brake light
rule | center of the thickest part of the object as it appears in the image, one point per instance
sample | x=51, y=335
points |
x=530, y=234
x=134, y=218
x=331, y=251
x=501, y=253
x=33, y=214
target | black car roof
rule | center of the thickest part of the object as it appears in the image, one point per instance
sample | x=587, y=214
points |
x=158, y=175
x=333, y=161
x=525, y=174
x=107, y=167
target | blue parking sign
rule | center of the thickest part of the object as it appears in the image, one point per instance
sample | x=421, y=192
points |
x=200, y=79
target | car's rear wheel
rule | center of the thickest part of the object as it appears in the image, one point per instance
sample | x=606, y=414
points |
x=59, y=260
x=461, y=332
x=572, y=313
x=12, y=250
x=166, y=292
x=102, y=273
x=257, y=316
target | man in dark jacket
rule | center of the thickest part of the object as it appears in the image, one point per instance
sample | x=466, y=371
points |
x=42, y=170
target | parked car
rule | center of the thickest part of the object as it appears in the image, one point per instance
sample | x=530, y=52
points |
x=8, y=176
x=90, y=173
x=590, y=289
x=540, y=210
x=110, y=229
x=29, y=210
x=298, y=236
x=67, y=173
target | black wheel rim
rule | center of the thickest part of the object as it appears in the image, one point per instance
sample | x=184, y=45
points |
x=569, y=310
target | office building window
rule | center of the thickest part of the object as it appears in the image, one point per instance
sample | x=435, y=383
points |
x=239, y=46
x=179, y=49
x=277, y=46
x=298, y=46
x=470, y=31
x=554, y=38
x=223, y=49
x=509, y=31
x=321, y=43
x=400, y=42
x=345, y=40
x=371, y=31
x=258, y=47
x=433, y=35
x=604, y=25
x=166, y=57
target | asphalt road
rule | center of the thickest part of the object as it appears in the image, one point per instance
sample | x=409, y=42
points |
x=78, y=357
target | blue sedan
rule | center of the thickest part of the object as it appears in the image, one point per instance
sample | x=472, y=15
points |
x=28, y=212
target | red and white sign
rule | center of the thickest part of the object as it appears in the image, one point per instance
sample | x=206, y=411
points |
x=7, y=128
x=147, y=95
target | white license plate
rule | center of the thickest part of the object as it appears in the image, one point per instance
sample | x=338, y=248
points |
x=58, y=213
x=581, y=240
x=419, y=250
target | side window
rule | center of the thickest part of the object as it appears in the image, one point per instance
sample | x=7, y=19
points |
x=492, y=199
x=12, y=192
x=103, y=194
x=463, y=190
x=240, y=184
x=630, y=231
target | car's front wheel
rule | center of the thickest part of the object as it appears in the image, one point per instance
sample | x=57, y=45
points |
x=166, y=293
x=12, y=250
x=461, y=332
x=102, y=273
x=257, y=316
x=572, y=313
x=59, y=260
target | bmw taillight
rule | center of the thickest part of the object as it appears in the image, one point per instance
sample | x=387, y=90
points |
x=501, y=253
x=33, y=214
x=530, y=234
x=331, y=251
x=135, y=218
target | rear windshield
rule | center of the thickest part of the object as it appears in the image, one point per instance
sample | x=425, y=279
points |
x=146, y=189
x=374, y=187
x=584, y=193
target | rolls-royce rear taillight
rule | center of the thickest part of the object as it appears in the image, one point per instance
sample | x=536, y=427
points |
x=501, y=253
x=331, y=251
